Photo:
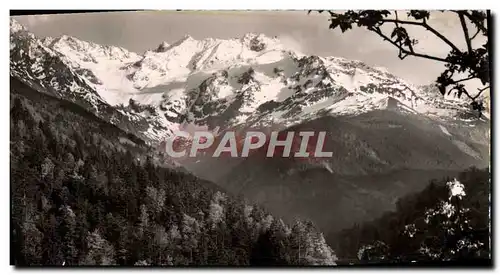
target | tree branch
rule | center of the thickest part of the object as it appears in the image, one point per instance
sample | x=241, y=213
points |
x=406, y=52
x=473, y=98
x=406, y=22
x=400, y=54
x=426, y=26
x=463, y=79
x=477, y=32
x=463, y=91
x=466, y=31
x=480, y=92
x=479, y=25
x=487, y=87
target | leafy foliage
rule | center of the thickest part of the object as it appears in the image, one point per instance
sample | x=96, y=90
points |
x=449, y=220
x=80, y=197
x=474, y=62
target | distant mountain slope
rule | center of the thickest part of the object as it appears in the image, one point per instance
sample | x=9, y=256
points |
x=377, y=157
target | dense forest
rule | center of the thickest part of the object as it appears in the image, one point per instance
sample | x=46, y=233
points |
x=449, y=221
x=85, y=193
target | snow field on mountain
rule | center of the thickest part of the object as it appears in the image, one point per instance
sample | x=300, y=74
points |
x=204, y=79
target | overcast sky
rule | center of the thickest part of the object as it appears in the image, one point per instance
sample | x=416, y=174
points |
x=140, y=31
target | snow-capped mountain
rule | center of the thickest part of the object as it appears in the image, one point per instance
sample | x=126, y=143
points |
x=214, y=83
x=377, y=123
x=41, y=65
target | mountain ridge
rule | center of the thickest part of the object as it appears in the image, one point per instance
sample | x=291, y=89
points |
x=232, y=82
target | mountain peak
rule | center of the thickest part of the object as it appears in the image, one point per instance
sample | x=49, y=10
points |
x=259, y=42
x=187, y=37
x=163, y=47
x=16, y=26
x=184, y=39
x=63, y=41
x=86, y=51
x=254, y=35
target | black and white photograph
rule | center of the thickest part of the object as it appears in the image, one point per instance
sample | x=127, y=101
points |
x=250, y=138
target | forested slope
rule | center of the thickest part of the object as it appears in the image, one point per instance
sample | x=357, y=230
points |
x=84, y=192
x=448, y=221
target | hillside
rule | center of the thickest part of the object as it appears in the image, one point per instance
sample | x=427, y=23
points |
x=447, y=221
x=84, y=196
